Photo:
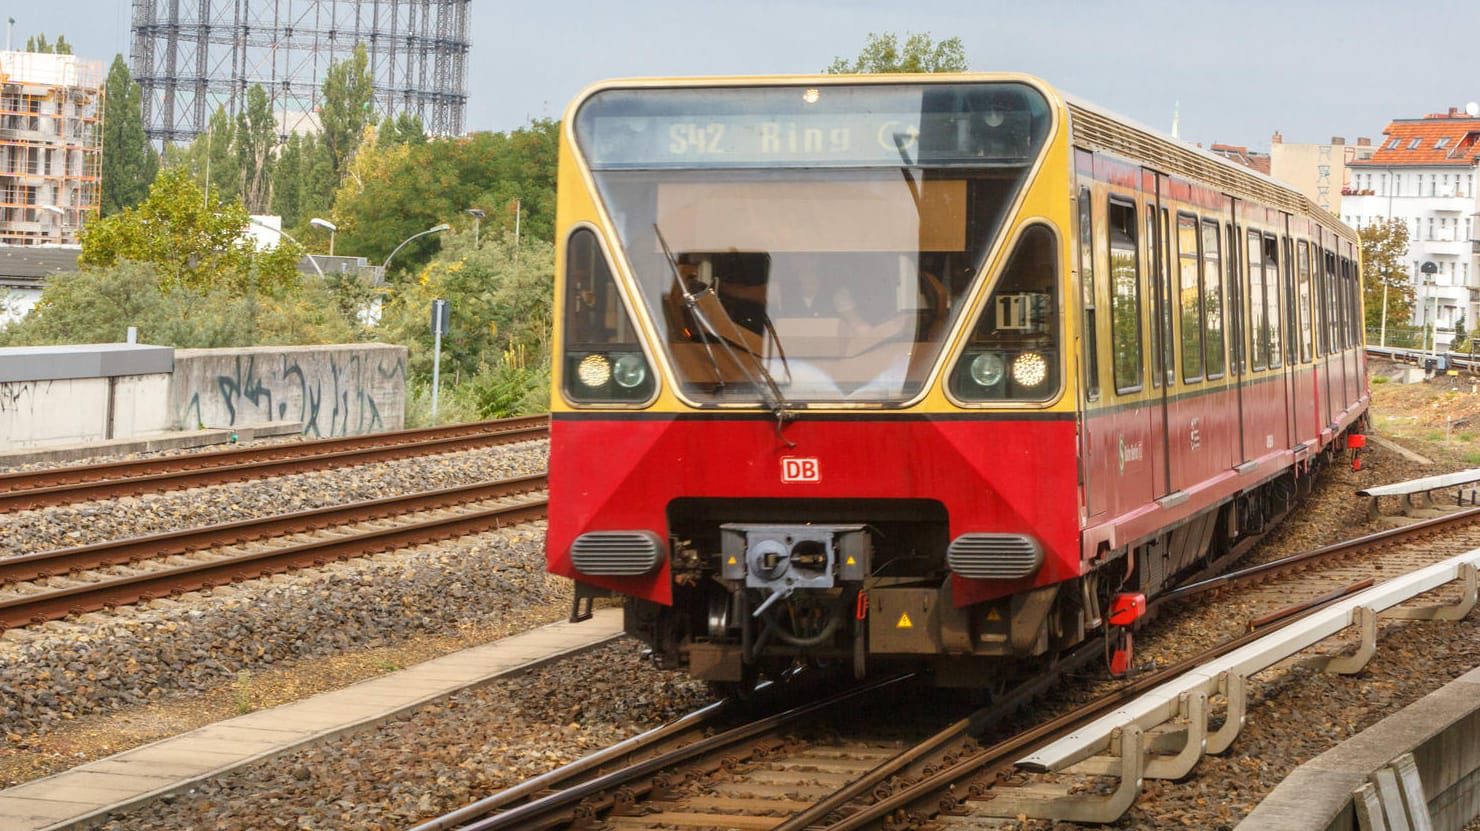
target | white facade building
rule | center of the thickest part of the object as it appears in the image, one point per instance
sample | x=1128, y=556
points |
x=1424, y=173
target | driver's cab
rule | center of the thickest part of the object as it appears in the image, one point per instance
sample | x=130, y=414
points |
x=826, y=325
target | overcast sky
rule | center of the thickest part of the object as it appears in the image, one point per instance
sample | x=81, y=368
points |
x=1235, y=72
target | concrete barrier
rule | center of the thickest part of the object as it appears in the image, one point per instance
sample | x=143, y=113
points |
x=1441, y=730
x=65, y=394
x=338, y=390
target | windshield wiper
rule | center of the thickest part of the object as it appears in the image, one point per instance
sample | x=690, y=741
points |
x=691, y=301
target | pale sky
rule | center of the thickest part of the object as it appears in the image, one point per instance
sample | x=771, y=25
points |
x=1233, y=72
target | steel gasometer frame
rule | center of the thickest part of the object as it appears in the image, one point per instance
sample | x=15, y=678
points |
x=192, y=56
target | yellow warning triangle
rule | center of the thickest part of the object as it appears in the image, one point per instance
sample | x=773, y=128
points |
x=851, y=561
x=732, y=560
x=904, y=621
x=992, y=615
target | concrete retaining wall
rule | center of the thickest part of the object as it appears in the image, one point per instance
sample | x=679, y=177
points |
x=61, y=395
x=1441, y=730
x=339, y=390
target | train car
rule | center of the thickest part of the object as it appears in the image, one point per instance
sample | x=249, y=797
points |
x=940, y=372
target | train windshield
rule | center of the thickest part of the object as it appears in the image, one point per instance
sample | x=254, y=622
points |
x=813, y=242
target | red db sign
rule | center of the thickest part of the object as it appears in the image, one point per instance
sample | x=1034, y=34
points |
x=796, y=469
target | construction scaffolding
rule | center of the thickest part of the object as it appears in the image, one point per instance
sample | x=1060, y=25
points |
x=194, y=56
x=51, y=135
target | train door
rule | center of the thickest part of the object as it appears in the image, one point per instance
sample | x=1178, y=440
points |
x=1323, y=327
x=1308, y=391
x=1162, y=369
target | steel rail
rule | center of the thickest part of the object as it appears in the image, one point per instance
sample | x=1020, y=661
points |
x=41, y=607
x=157, y=546
x=239, y=469
x=69, y=474
x=561, y=806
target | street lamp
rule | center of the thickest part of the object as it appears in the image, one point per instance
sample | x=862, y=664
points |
x=435, y=229
x=327, y=226
x=477, y=214
x=311, y=261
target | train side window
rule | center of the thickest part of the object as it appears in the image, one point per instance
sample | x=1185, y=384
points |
x=1154, y=281
x=1090, y=341
x=1303, y=300
x=1190, y=298
x=1333, y=325
x=1212, y=299
x=1292, y=346
x=604, y=362
x=1236, y=323
x=1125, y=298
x=1318, y=306
x=1353, y=299
x=1272, y=299
x=1258, y=325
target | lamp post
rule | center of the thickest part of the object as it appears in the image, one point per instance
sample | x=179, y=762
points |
x=311, y=261
x=435, y=229
x=327, y=226
x=477, y=214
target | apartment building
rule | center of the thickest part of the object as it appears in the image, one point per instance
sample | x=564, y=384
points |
x=51, y=109
x=1423, y=173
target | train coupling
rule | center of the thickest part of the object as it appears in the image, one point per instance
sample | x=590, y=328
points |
x=779, y=559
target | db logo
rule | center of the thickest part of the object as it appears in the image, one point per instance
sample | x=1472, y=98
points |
x=794, y=469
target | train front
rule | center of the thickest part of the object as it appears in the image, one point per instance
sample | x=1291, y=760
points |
x=812, y=391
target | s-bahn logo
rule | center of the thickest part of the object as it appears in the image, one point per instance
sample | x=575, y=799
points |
x=797, y=469
x=1129, y=453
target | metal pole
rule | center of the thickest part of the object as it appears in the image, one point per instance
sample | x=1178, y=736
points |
x=1382, y=332
x=436, y=370
x=516, y=231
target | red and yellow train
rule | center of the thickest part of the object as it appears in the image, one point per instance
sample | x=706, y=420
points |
x=946, y=372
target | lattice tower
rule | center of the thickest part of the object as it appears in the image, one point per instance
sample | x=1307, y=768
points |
x=193, y=56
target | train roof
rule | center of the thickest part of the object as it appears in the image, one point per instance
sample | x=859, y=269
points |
x=1097, y=128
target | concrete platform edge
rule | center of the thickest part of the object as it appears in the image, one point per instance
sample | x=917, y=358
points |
x=98, y=816
x=1442, y=730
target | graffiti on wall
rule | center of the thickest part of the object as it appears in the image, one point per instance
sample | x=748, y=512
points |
x=332, y=394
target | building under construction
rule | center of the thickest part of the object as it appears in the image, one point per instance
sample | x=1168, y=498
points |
x=193, y=56
x=51, y=109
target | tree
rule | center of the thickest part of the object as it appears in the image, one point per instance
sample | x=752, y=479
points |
x=402, y=129
x=37, y=43
x=129, y=162
x=1387, y=288
x=346, y=107
x=193, y=240
x=882, y=54
x=254, y=142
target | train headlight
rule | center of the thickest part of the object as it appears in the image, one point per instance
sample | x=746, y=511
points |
x=594, y=371
x=987, y=369
x=629, y=371
x=1029, y=369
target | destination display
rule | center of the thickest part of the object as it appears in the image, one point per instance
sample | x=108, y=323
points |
x=644, y=128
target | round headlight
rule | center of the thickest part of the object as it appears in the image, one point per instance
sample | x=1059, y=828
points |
x=629, y=371
x=594, y=371
x=1029, y=369
x=987, y=369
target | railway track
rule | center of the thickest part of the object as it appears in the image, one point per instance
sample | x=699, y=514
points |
x=173, y=563
x=76, y=483
x=840, y=781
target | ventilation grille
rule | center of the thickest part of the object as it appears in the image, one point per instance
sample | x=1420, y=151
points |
x=994, y=556
x=616, y=553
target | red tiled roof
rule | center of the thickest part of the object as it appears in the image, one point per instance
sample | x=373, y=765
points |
x=1459, y=132
x=1241, y=155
